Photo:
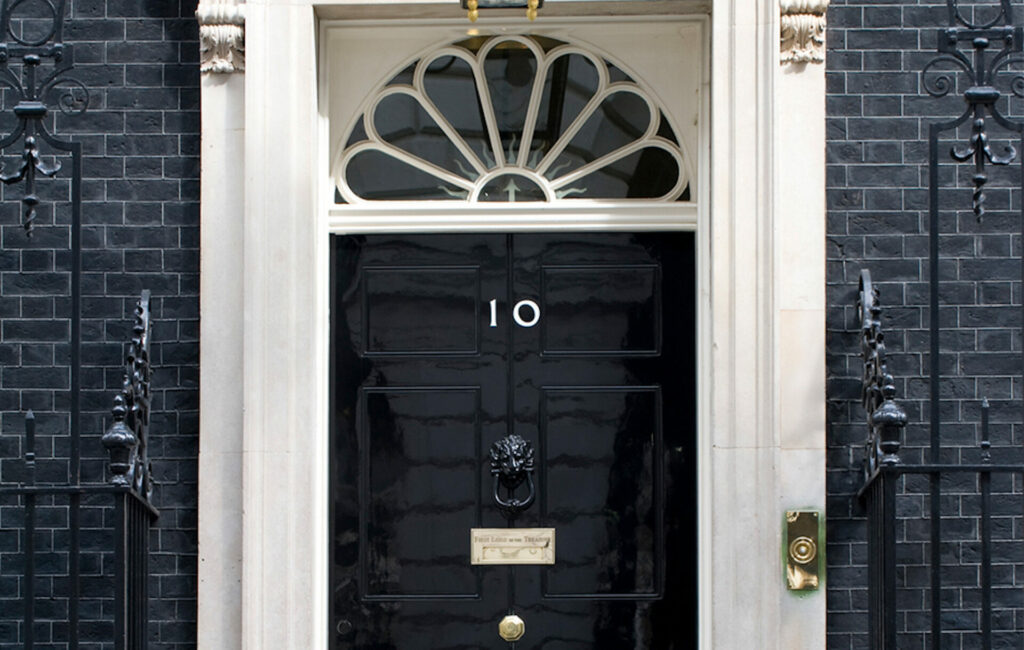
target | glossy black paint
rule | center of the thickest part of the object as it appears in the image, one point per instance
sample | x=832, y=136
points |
x=603, y=387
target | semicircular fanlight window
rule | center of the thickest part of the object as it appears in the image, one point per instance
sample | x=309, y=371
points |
x=511, y=119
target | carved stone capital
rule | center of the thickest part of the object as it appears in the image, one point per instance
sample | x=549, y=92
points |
x=221, y=36
x=803, y=31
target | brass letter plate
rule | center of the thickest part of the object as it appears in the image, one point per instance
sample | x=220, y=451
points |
x=512, y=545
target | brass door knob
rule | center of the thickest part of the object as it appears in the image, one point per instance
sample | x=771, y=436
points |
x=511, y=628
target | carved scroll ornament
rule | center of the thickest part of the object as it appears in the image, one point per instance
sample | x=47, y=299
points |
x=221, y=36
x=803, y=31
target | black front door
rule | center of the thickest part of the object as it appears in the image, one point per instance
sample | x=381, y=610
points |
x=582, y=344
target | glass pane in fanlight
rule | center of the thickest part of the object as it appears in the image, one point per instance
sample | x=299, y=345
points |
x=358, y=133
x=570, y=82
x=376, y=176
x=665, y=130
x=405, y=77
x=510, y=70
x=511, y=188
x=547, y=44
x=402, y=121
x=622, y=118
x=650, y=173
x=615, y=74
x=451, y=86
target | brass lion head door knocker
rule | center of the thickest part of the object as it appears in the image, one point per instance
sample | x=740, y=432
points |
x=511, y=466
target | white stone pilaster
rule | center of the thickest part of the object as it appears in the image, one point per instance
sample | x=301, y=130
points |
x=221, y=363
x=767, y=402
x=285, y=522
x=741, y=572
x=800, y=314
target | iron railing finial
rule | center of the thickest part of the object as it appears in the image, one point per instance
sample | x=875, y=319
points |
x=886, y=419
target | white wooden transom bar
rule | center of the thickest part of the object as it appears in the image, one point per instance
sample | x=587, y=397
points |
x=759, y=216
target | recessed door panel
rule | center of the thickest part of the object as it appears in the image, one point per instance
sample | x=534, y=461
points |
x=583, y=345
x=602, y=477
x=445, y=299
x=422, y=449
x=601, y=310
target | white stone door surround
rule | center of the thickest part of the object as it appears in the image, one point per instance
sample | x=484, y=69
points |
x=263, y=419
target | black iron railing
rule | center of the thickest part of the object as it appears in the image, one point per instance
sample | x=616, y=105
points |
x=945, y=531
x=885, y=484
x=78, y=558
x=127, y=495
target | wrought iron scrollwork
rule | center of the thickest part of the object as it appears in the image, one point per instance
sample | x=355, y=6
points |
x=886, y=419
x=23, y=72
x=976, y=51
x=126, y=438
x=511, y=466
x=980, y=49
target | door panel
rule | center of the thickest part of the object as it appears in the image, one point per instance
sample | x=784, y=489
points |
x=422, y=449
x=425, y=377
x=592, y=310
x=445, y=299
x=600, y=449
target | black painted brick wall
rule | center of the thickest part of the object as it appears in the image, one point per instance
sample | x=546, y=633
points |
x=878, y=116
x=141, y=140
x=139, y=59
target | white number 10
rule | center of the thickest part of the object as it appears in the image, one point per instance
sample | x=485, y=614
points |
x=517, y=313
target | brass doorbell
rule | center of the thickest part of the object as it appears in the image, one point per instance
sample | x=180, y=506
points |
x=803, y=559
